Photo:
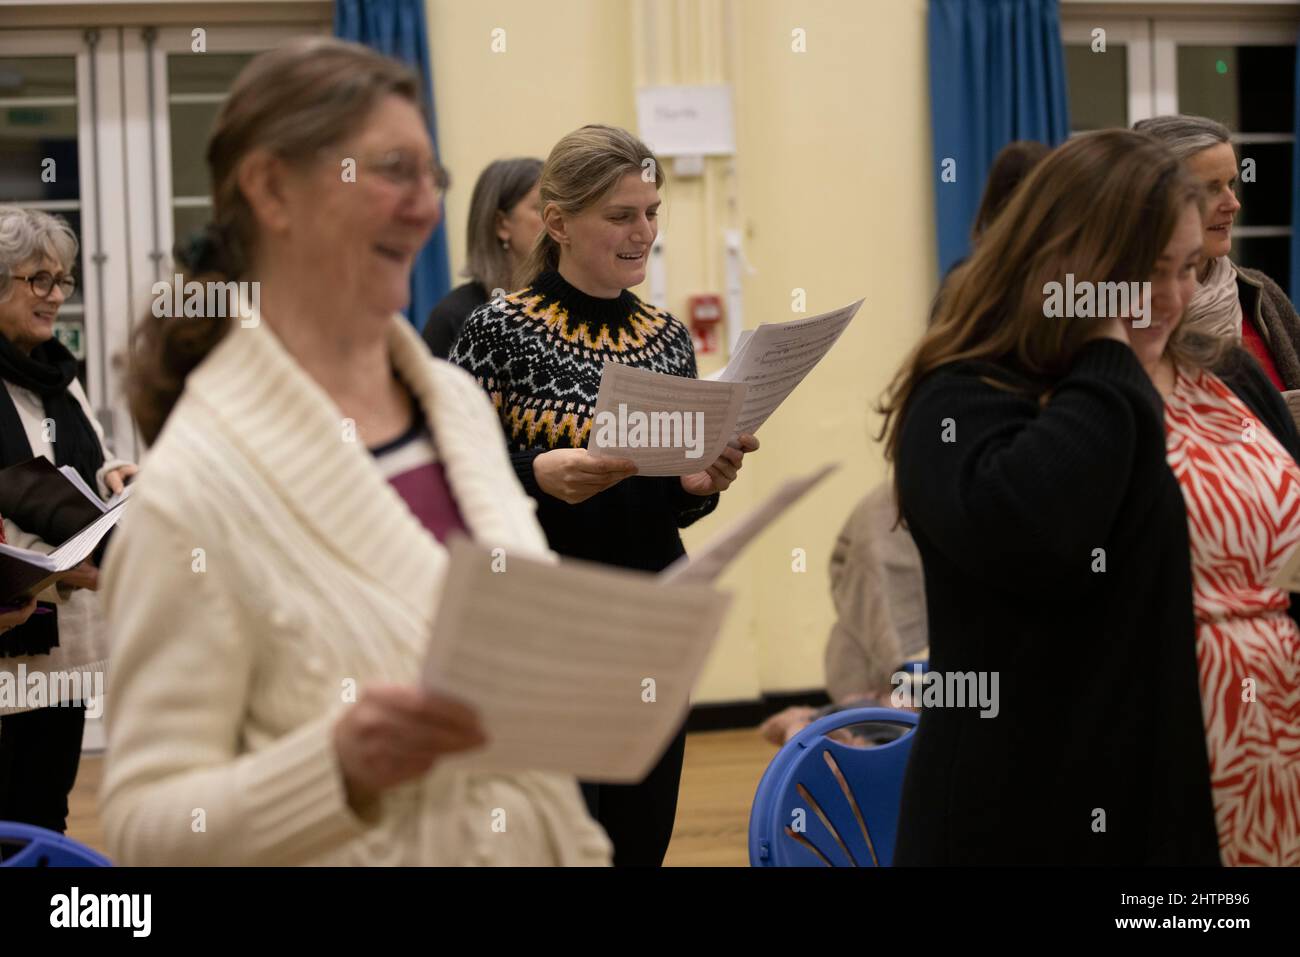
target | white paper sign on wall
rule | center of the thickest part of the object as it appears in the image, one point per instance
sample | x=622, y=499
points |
x=687, y=120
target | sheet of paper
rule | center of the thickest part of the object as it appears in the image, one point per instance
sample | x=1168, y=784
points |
x=666, y=424
x=24, y=572
x=594, y=687
x=778, y=356
x=739, y=350
x=709, y=562
x=73, y=476
x=74, y=551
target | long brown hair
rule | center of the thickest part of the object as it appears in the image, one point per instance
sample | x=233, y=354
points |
x=582, y=168
x=309, y=94
x=1012, y=164
x=501, y=187
x=1101, y=207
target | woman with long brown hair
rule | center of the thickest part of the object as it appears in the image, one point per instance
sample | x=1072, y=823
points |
x=1030, y=466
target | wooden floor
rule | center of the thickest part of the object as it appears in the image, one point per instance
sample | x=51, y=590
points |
x=722, y=770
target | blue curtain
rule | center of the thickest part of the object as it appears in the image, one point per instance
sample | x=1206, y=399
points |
x=997, y=74
x=396, y=28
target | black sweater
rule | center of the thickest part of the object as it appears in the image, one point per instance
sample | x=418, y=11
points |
x=1100, y=722
x=539, y=353
x=448, y=316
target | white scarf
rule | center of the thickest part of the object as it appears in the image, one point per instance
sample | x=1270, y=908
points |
x=1214, y=308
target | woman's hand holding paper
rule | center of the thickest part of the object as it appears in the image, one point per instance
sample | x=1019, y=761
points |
x=719, y=476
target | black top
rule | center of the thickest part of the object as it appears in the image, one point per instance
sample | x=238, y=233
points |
x=1097, y=753
x=539, y=353
x=447, y=318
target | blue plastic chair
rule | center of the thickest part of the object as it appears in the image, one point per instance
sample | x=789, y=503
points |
x=823, y=803
x=47, y=848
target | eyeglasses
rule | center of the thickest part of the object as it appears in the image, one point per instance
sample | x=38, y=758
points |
x=43, y=284
x=407, y=171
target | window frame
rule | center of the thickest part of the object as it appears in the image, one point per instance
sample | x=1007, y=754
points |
x=1135, y=34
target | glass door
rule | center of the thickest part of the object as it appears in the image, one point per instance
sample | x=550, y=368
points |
x=174, y=94
x=107, y=128
x=1108, y=73
x=1243, y=75
x=60, y=120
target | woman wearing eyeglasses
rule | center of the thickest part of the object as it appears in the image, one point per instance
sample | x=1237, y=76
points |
x=44, y=411
x=322, y=460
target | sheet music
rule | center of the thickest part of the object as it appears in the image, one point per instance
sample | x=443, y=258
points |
x=709, y=562
x=737, y=351
x=666, y=424
x=777, y=357
x=594, y=687
x=33, y=571
x=75, y=550
x=73, y=476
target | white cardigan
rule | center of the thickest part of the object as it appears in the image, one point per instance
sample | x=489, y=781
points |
x=315, y=576
x=83, y=641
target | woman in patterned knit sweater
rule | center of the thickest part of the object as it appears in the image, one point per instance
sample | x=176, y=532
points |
x=539, y=353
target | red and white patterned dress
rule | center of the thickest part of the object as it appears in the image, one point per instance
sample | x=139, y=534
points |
x=1243, y=516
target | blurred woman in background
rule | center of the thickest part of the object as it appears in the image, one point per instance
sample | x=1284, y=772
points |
x=505, y=218
x=1230, y=300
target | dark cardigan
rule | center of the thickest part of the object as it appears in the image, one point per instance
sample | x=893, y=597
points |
x=1097, y=754
x=447, y=318
x=1275, y=318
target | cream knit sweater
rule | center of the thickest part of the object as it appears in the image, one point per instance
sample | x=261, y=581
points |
x=264, y=570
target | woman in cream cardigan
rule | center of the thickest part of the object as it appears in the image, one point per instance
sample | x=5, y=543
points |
x=279, y=561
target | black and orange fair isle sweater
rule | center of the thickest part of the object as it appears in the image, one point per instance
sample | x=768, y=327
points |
x=538, y=353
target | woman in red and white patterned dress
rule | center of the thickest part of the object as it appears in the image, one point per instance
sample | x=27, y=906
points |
x=1232, y=446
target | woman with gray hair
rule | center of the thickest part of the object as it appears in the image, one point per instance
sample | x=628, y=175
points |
x=1230, y=300
x=44, y=411
x=505, y=218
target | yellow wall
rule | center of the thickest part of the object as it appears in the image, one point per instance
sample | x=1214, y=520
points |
x=520, y=101
x=830, y=186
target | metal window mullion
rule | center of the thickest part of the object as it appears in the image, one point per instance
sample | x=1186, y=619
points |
x=150, y=37
x=22, y=102
x=98, y=257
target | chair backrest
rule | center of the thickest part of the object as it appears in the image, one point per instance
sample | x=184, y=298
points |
x=42, y=848
x=823, y=803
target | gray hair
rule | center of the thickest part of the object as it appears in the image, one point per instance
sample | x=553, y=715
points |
x=27, y=234
x=1185, y=135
